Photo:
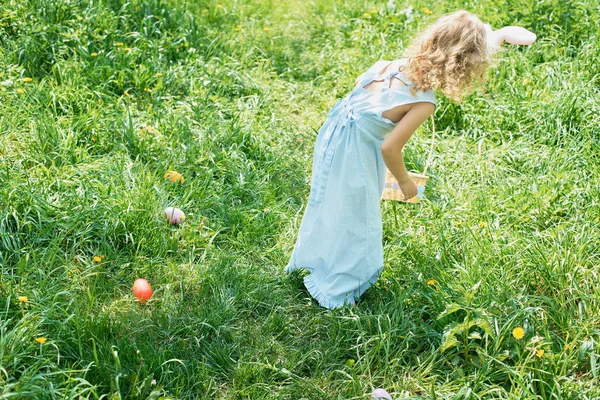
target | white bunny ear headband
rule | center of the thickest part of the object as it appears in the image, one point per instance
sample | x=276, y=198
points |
x=509, y=34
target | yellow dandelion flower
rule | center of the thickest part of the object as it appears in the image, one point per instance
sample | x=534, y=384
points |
x=23, y=299
x=373, y=11
x=94, y=139
x=427, y=11
x=238, y=28
x=432, y=282
x=482, y=224
x=518, y=333
x=174, y=176
x=367, y=15
x=126, y=93
x=20, y=91
x=28, y=79
x=539, y=353
x=458, y=223
x=41, y=340
x=158, y=74
x=127, y=48
x=120, y=44
x=148, y=90
x=94, y=54
x=218, y=6
x=98, y=258
x=266, y=28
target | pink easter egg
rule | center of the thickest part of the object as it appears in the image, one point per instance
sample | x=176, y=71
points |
x=174, y=215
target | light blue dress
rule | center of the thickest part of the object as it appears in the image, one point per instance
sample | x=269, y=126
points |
x=340, y=238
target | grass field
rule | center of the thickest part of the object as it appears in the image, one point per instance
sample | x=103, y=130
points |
x=490, y=288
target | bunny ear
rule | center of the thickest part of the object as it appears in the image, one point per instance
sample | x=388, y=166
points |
x=510, y=34
x=494, y=40
x=517, y=35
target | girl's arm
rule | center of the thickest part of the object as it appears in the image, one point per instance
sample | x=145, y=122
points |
x=392, y=146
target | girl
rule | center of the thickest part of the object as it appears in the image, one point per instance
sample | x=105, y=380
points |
x=340, y=239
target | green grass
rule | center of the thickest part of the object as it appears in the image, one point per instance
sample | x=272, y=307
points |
x=231, y=95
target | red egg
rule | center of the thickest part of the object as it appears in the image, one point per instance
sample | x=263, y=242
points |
x=142, y=290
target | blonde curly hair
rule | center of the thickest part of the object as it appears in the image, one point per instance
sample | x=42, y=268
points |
x=450, y=56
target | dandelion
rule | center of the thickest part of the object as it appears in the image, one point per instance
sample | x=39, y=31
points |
x=367, y=15
x=94, y=139
x=26, y=80
x=539, y=353
x=518, y=333
x=174, y=176
x=458, y=223
x=148, y=90
x=218, y=6
x=23, y=299
x=126, y=93
x=120, y=44
x=98, y=259
x=432, y=282
x=238, y=28
x=158, y=75
x=94, y=54
x=427, y=11
x=266, y=28
x=127, y=48
x=20, y=91
x=41, y=340
x=482, y=224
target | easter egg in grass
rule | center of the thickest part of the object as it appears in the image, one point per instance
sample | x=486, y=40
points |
x=142, y=290
x=174, y=215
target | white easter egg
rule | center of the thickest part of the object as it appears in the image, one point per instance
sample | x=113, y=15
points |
x=380, y=394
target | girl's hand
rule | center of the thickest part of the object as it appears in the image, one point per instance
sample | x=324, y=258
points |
x=409, y=189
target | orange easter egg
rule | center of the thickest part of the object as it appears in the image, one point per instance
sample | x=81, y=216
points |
x=142, y=290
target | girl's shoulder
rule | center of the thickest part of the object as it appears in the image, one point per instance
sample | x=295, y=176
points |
x=382, y=66
x=379, y=66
